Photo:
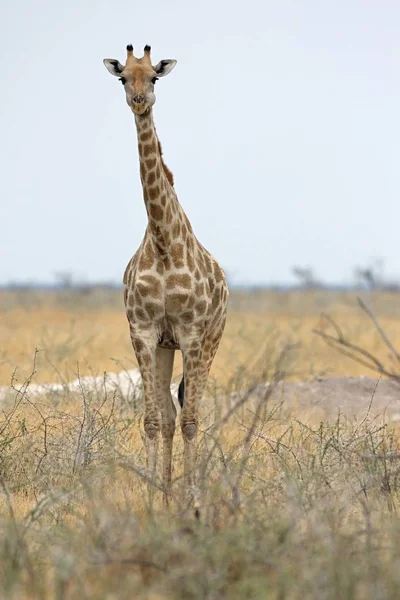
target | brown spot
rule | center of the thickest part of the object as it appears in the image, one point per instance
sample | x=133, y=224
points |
x=218, y=273
x=184, y=231
x=163, y=199
x=154, y=192
x=179, y=280
x=129, y=314
x=131, y=300
x=208, y=264
x=145, y=262
x=201, y=307
x=160, y=268
x=142, y=289
x=138, y=345
x=149, y=149
x=151, y=178
x=142, y=171
x=153, y=309
x=177, y=255
x=176, y=229
x=197, y=274
x=148, y=251
x=190, y=260
x=186, y=317
x=167, y=263
x=140, y=314
x=175, y=302
x=202, y=266
x=151, y=163
x=199, y=289
x=193, y=353
x=153, y=283
x=145, y=136
x=156, y=212
x=168, y=215
x=216, y=300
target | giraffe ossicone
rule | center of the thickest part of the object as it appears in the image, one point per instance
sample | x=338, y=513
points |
x=175, y=292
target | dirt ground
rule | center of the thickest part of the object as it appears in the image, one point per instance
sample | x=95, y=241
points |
x=349, y=395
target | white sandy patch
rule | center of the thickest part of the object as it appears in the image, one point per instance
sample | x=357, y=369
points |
x=126, y=383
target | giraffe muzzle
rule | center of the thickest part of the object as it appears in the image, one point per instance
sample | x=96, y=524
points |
x=138, y=99
x=139, y=104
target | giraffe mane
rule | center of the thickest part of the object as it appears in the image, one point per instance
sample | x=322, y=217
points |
x=167, y=171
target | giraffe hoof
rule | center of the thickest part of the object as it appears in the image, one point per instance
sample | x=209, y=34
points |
x=189, y=431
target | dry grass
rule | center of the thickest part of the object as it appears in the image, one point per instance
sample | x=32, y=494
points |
x=290, y=508
x=92, y=330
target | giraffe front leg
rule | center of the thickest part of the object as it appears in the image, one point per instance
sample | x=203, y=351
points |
x=189, y=414
x=144, y=343
x=197, y=363
x=164, y=366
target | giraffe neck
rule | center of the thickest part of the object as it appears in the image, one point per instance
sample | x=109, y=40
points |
x=162, y=205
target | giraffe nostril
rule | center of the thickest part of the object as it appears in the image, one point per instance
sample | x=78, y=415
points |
x=138, y=99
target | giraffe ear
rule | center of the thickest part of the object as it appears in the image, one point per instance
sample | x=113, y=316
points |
x=113, y=66
x=164, y=67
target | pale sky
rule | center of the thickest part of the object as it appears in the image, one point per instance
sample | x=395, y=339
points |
x=280, y=123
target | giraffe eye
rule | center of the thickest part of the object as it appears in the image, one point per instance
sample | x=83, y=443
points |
x=154, y=80
x=122, y=80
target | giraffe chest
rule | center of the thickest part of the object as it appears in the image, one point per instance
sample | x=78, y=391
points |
x=171, y=303
x=172, y=298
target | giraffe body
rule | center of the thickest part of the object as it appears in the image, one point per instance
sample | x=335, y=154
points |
x=175, y=292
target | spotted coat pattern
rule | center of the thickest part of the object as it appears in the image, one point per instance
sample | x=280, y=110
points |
x=175, y=292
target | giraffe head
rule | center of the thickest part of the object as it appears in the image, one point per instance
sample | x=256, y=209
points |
x=138, y=77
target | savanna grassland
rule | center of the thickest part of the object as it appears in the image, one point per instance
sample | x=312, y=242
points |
x=292, y=506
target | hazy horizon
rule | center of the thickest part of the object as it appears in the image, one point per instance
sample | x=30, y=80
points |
x=279, y=122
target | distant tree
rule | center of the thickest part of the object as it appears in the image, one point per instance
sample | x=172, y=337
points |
x=372, y=277
x=64, y=279
x=306, y=277
x=365, y=276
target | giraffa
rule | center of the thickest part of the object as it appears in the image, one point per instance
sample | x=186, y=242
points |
x=175, y=292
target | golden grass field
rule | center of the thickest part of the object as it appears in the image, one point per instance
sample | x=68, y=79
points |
x=91, y=331
x=291, y=508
